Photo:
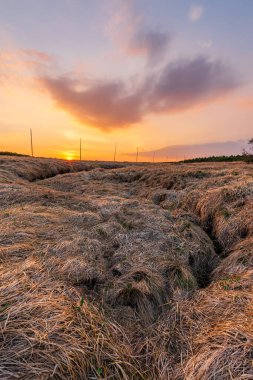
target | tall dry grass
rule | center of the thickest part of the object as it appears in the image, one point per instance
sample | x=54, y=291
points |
x=125, y=271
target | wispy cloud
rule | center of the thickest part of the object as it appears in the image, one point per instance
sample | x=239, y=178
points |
x=150, y=43
x=115, y=104
x=132, y=36
x=122, y=22
x=17, y=65
x=196, y=12
x=206, y=44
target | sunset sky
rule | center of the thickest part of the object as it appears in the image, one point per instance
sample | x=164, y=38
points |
x=169, y=76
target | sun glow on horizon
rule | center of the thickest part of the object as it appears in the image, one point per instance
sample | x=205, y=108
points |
x=122, y=86
x=69, y=156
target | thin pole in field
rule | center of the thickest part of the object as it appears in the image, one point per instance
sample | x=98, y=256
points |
x=115, y=151
x=80, y=149
x=137, y=154
x=154, y=157
x=31, y=137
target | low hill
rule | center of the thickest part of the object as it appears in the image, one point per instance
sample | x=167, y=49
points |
x=5, y=153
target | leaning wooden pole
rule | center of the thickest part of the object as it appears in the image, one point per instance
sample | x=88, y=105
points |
x=137, y=154
x=31, y=136
x=115, y=151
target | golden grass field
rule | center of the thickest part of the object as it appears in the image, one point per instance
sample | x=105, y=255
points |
x=124, y=271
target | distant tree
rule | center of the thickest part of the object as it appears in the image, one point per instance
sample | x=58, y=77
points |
x=248, y=154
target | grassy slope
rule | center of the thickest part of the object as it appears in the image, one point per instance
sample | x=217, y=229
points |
x=135, y=272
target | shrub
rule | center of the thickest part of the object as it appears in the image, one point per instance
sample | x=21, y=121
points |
x=248, y=154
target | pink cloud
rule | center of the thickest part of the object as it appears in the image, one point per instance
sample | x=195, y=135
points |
x=113, y=104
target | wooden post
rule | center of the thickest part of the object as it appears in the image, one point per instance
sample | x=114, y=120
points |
x=31, y=136
x=154, y=157
x=137, y=154
x=115, y=151
x=80, y=149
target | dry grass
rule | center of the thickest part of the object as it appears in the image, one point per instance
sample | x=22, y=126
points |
x=118, y=271
x=222, y=327
x=48, y=332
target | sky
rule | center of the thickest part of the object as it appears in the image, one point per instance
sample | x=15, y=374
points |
x=164, y=76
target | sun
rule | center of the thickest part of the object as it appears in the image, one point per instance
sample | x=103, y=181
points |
x=69, y=156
